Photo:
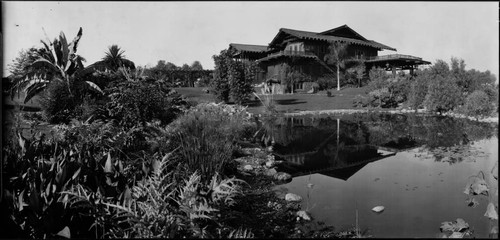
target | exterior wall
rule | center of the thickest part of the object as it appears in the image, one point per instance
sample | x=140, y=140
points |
x=361, y=52
x=320, y=49
x=295, y=47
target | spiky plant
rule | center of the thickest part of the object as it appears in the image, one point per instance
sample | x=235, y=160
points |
x=57, y=61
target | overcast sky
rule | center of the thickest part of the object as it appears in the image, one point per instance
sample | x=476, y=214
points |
x=182, y=32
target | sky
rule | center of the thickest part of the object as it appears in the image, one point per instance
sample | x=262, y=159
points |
x=184, y=32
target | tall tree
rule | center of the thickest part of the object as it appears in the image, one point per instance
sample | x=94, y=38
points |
x=337, y=52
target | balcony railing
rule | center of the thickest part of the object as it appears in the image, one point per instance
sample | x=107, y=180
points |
x=292, y=53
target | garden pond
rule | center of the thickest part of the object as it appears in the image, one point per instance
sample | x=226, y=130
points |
x=422, y=169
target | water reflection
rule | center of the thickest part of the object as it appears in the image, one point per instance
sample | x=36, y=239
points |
x=415, y=166
x=314, y=143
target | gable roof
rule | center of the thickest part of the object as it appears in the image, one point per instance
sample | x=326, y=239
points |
x=342, y=30
x=305, y=35
x=249, y=48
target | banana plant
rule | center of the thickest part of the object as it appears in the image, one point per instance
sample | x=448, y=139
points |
x=58, y=61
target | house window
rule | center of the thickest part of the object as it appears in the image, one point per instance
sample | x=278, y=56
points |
x=297, y=86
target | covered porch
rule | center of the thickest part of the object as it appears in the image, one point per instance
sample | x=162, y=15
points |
x=395, y=62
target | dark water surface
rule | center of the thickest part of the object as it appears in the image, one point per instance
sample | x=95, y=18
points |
x=417, y=167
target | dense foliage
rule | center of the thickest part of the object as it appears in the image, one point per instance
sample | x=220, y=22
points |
x=439, y=88
x=385, y=90
x=478, y=103
x=443, y=95
x=135, y=102
x=220, y=83
x=207, y=136
x=232, y=78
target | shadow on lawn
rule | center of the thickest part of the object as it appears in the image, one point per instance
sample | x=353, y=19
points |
x=289, y=101
x=253, y=103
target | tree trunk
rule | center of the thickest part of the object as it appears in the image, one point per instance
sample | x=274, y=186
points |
x=338, y=77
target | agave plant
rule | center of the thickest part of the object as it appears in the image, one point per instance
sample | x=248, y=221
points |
x=57, y=61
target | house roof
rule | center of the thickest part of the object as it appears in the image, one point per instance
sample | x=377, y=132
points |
x=342, y=30
x=283, y=32
x=248, y=48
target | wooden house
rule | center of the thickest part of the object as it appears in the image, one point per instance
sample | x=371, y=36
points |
x=304, y=53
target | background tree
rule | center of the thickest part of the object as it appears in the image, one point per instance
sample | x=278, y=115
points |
x=20, y=67
x=185, y=67
x=196, y=66
x=114, y=59
x=440, y=68
x=336, y=55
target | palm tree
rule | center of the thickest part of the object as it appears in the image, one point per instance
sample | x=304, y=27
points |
x=336, y=56
x=57, y=61
x=114, y=59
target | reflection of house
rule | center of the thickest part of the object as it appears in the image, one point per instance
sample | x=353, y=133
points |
x=304, y=52
x=335, y=162
x=332, y=148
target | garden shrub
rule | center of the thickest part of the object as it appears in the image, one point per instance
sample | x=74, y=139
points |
x=327, y=81
x=133, y=103
x=232, y=78
x=443, y=95
x=478, y=104
x=378, y=79
x=418, y=91
x=381, y=98
x=58, y=105
x=360, y=101
x=240, y=84
x=220, y=83
x=207, y=134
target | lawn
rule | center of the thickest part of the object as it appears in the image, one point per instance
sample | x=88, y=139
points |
x=342, y=99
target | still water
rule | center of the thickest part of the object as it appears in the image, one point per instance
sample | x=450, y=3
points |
x=417, y=167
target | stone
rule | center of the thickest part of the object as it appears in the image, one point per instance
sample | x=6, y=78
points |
x=282, y=176
x=270, y=164
x=250, y=151
x=304, y=215
x=292, y=197
x=248, y=168
x=271, y=172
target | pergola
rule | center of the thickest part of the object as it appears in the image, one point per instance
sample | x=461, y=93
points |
x=394, y=62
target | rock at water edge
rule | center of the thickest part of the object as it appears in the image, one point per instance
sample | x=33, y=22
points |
x=292, y=197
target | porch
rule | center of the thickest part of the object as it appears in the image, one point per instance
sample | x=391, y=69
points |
x=395, y=62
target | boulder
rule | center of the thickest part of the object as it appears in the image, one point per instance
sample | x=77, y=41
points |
x=282, y=176
x=271, y=172
x=292, y=197
x=248, y=168
x=250, y=151
x=270, y=164
x=304, y=215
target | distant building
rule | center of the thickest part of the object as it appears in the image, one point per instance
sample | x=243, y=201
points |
x=305, y=52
